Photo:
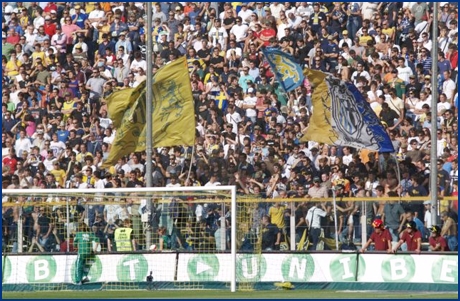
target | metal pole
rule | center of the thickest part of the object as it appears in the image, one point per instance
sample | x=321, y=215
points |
x=68, y=224
x=149, y=110
x=434, y=124
x=292, y=226
x=363, y=223
x=20, y=231
x=335, y=220
x=233, y=239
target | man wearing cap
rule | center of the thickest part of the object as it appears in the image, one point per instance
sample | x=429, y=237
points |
x=59, y=41
x=412, y=237
x=436, y=241
x=49, y=27
x=317, y=191
x=249, y=104
x=380, y=237
x=413, y=86
x=331, y=52
x=122, y=41
x=345, y=39
x=79, y=17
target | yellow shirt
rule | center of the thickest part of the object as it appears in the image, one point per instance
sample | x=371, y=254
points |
x=35, y=55
x=10, y=66
x=389, y=31
x=102, y=30
x=59, y=174
x=92, y=181
x=67, y=106
x=89, y=7
x=363, y=40
x=277, y=215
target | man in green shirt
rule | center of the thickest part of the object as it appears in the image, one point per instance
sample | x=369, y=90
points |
x=83, y=241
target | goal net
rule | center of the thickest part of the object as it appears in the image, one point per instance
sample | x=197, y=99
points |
x=116, y=239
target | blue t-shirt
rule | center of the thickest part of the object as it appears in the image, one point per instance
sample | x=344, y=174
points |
x=63, y=135
x=80, y=19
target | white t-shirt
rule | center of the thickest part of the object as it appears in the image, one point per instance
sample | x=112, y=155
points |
x=234, y=119
x=250, y=101
x=218, y=36
x=404, y=73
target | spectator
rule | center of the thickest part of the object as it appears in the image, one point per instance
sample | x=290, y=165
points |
x=411, y=237
x=381, y=238
x=437, y=242
x=271, y=235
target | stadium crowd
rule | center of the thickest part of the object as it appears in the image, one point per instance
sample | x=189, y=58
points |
x=61, y=60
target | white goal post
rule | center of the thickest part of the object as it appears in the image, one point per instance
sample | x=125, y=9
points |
x=10, y=197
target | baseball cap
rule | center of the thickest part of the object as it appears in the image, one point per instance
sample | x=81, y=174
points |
x=412, y=76
x=427, y=76
x=345, y=32
x=435, y=229
x=251, y=90
x=257, y=127
x=47, y=18
x=316, y=179
x=411, y=225
x=77, y=6
x=53, y=11
x=427, y=203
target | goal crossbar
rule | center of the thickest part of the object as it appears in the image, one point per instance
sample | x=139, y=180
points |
x=144, y=190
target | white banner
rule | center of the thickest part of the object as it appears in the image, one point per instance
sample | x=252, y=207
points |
x=408, y=268
x=345, y=267
x=268, y=267
x=105, y=268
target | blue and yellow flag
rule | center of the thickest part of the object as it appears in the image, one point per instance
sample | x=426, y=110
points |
x=173, y=118
x=342, y=117
x=288, y=73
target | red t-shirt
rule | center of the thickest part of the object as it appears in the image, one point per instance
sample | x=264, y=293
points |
x=11, y=162
x=266, y=34
x=439, y=240
x=50, y=29
x=411, y=241
x=381, y=240
x=49, y=7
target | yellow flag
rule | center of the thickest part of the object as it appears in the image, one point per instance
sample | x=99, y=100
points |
x=173, y=107
x=173, y=118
